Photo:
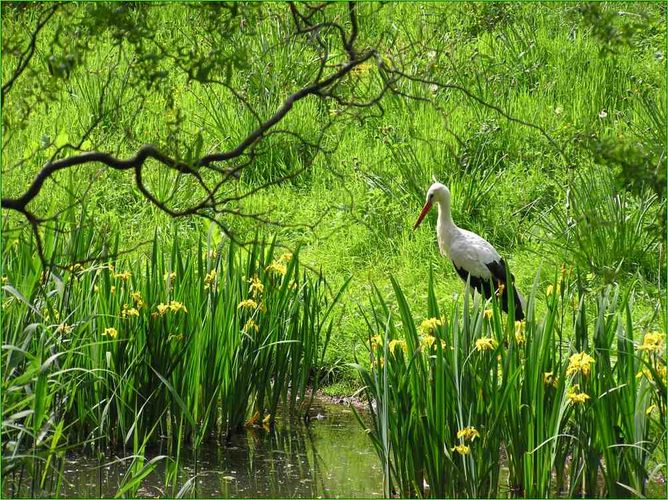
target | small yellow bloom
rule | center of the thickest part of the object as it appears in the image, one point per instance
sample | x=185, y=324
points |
x=96, y=289
x=169, y=276
x=75, y=268
x=650, y=409
x=162, y=309
x=485, y=344
x=176, y=306
x=550, y=290
x=361, y=69
x=210, y=279
x=253, y=420
x=376, y=342
x=397, y=343
x=4, y=280
x=256, y=287
x=113, y=289
x=124, y=276
x=64, y=328
x=428, y=341
x=250, y=324
x=378, y=362
x=138, y=300
x=277, y=268
x=111, y=332
x=500, y=289
x=266, y=419
x=550, y=379
x=429, y=325
x=462, y=449
x=519, y=332
x=653, y=342
x=576, y=397
x=468, y=433
x=247, y=304
x=579, y=363
x=286, y=257
x=129, y=312
x=489, y=313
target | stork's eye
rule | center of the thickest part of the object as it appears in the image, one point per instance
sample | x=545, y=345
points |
x=431, y=196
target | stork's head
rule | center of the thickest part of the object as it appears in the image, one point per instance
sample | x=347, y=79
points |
x=438, y=193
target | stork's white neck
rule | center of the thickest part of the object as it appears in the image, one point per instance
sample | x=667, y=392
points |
x=446, y=230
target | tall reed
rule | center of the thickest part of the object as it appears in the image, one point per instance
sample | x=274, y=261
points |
x=472, y=403
x=109, y=352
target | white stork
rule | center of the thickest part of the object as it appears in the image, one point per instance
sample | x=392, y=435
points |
x=474, y=257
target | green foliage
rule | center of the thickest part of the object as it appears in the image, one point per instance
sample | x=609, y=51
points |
x=567, y=407
x=183, y=345
x=605, y=230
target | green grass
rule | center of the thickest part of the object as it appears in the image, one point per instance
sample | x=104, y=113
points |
x=348, y=218
x=575, y=398
x=113, y=354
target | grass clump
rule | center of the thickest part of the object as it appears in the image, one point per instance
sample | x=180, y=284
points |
x=570, y=402
x=116, y=354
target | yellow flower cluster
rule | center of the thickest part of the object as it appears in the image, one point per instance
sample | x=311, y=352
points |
x=485, y=344
x=579, y=363
x=376, y=342
x=137, y=299
x=462, y=449
x=653, y=342
x=247, y=304
x=428, y=326
x=575, y=397
x=256, y=286
x=428, y=341
x=397, y=343
x=250, y=324
x=276, y=268
x=124, y=276
x=468, y=433
x=646, y=372
x=174, y=306
x=111, y=332
x=210, y=279
x=64, y=328
x=129, y=312
x=488, y=313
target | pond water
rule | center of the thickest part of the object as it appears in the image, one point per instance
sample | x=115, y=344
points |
x=330, y=457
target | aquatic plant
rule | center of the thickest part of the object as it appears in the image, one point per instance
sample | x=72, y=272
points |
x=572, y=402
x=105, y=352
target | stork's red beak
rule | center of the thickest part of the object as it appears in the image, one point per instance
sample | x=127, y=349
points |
x=425, y=209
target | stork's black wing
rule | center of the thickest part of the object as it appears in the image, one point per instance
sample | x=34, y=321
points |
x=498, y=270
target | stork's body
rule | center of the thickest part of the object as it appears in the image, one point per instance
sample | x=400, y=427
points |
x=474, y=258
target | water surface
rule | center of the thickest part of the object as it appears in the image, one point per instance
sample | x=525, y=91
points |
x=330, y=457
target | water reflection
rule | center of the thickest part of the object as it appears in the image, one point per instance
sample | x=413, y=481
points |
x=330, y=457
